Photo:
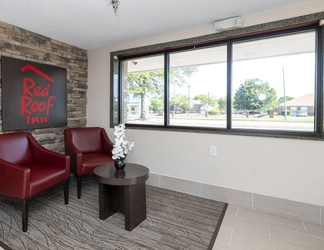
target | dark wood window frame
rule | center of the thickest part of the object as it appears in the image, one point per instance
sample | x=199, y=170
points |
x=287, y=26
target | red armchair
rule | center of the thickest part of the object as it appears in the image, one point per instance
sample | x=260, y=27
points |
x=88, y=148
x=28, y=170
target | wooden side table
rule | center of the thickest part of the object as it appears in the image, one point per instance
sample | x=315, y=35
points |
x=122, y=191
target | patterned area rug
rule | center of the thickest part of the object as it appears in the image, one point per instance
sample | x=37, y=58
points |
x=174, y=221
x=4, y=246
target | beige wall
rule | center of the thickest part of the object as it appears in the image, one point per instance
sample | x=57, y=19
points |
x=283, y=168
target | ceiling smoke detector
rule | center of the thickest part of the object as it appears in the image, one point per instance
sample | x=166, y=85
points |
x=231, y=23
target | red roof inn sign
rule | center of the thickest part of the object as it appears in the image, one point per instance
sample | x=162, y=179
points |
x=33, y=95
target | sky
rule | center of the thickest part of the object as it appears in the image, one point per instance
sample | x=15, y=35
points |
x=298, y=75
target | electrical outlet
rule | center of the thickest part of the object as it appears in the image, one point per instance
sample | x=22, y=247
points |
x=212, y=151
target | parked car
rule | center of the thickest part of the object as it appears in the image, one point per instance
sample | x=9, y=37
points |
x=301, y=113
x=254, y=112
x=239, y=111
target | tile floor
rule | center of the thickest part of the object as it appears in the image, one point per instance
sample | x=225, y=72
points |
x=246, y=229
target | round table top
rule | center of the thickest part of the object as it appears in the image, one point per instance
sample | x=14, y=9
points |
x=130, y=175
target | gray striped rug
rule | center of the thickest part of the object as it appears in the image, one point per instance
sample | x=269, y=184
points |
x=174, y=221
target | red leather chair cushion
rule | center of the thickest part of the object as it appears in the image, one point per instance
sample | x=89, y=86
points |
x=87, y=140
x=90, y=161
x=43, y=177
x=14, y=147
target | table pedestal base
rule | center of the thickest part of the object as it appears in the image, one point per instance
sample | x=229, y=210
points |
x=129, y=200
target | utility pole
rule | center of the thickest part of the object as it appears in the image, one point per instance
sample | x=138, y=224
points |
x=206, y=112
x=284, y=90
x=188, y=99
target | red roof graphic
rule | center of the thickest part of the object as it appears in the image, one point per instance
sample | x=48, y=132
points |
x=32, y=68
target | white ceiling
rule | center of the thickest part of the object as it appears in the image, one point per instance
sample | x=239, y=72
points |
x=90, y=24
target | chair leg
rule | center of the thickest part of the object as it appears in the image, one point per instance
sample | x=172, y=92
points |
x=79, y=186
x=66, y=192
x=25, y=208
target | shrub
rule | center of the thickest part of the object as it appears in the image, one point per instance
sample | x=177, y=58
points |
x=288, y=112
x=213, y=112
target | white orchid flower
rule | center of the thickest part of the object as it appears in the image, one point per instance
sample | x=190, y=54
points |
x=121, y=147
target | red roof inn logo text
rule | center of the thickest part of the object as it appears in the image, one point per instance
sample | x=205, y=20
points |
x=29, y=106
x=34, y=95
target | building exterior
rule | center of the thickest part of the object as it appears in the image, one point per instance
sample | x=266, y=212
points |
x=303, y=103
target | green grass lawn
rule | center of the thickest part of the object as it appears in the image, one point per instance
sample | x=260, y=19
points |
x=240, y=117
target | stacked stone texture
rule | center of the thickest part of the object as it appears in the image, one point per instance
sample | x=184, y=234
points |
x=25, y=45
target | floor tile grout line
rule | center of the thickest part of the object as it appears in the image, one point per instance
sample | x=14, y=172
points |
x=299, y=233
x=288, y=230
x=320, y=222
x=255, y=220
x=285, y=243
x=229, y=243
x=270, y=235
x=264, y=238
x=305, y=227
x=278, y=227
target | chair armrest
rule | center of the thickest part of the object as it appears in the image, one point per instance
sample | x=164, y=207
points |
x=47, y=157
x=107, y=144
x=73, y=152
x=14, y=180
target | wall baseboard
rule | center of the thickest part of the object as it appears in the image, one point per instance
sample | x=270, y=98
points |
x=287, y=208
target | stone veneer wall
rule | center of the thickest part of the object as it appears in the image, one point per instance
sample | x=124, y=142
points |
x=25, y=45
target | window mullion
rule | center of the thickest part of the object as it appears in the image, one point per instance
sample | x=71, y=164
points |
x=319, y=88
x=166, y=89
x=229, y=84
x=121, y=86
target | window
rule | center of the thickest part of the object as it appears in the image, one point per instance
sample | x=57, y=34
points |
x=143, y=90
x=267, y=84
x=273, y=81
x=198, y=88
